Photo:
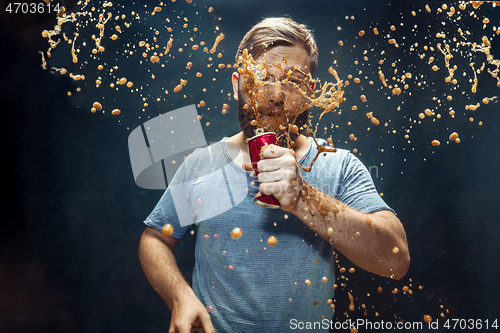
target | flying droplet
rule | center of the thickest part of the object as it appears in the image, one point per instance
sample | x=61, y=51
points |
x=272, y=241
x=167, y=230
x=236, y=233
x=97, y=106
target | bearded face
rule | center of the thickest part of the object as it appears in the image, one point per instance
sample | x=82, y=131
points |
x=274, y=92
x=272, y=114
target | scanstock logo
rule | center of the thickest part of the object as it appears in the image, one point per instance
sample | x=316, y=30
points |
x=172, y=136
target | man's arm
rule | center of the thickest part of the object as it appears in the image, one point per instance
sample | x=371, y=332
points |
x=376, y=242
x=156, y=254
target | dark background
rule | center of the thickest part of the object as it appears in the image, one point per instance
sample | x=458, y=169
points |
x=72, y=215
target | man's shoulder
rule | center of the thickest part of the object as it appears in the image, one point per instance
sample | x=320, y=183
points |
x=214, y=150
x=210, y=158
x=339, y=153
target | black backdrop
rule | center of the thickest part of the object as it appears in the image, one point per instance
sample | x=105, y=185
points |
x=71, y=216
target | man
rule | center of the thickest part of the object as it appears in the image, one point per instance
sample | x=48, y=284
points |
x=246, y=283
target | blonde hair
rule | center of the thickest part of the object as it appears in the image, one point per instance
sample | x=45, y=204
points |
x=274, y=31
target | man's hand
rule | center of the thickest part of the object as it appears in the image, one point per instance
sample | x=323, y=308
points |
x=279, y=175
x=189, y=314
x=156, y=253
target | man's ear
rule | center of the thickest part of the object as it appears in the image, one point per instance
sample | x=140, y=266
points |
x=235, y=81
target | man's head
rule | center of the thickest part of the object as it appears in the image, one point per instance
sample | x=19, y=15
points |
x=274, y=31
x=271, y=40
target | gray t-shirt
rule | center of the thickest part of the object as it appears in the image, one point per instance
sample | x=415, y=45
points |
x=246, y=284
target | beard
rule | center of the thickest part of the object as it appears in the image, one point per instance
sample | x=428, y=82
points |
x=246, y=116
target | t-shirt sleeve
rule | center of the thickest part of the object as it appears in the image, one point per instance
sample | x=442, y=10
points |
x=357, y=189
x=170, y=211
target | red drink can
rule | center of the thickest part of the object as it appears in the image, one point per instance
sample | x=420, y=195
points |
x=255, y=144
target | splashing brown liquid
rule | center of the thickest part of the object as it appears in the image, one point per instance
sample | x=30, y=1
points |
x=327, y=97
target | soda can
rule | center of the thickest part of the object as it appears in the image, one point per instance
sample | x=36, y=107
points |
x=255, y=144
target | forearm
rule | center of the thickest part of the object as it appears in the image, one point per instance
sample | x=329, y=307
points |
x=376, y=242
x=160, y=267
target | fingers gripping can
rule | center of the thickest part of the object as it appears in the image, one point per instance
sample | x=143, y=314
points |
x=255, y=144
